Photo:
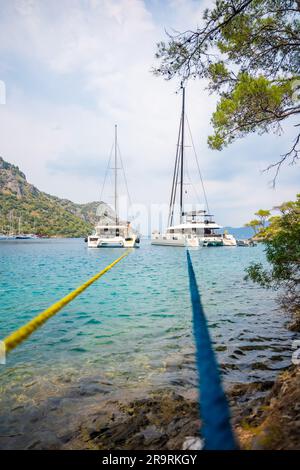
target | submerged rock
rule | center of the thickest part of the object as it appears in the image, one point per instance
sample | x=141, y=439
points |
x=265, y=415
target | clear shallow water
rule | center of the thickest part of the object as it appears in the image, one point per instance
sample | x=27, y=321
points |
x=131, y=330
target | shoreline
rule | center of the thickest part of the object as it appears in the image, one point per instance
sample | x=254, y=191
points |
x=264, y=415
x=274, y=422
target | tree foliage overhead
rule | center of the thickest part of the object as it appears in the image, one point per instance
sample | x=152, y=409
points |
x=282, y=241
x=248, y=50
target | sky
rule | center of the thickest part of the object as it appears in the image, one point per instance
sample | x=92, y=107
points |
x=72, y=69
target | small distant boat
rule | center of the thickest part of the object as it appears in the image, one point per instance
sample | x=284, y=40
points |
x=23, y=236
x=111, y=232
x=228, y=240
x=246, y=243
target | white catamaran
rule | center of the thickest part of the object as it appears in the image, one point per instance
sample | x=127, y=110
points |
x=110, y=231
x=195, y=227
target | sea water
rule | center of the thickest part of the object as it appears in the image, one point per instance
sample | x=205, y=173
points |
x=132, y=329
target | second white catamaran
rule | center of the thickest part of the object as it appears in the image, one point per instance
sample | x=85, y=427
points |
x=196, y=227
x=111, y=232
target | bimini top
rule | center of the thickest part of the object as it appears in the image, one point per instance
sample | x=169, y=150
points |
x=194, y=225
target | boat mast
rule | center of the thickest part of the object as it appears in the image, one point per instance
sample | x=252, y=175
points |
x=182, y=154
x=116, y=174
x=175, y=179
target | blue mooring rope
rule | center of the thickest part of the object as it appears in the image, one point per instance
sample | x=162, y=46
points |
x=216, y=429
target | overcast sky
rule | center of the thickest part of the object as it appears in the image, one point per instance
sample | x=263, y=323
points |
x=74, y=68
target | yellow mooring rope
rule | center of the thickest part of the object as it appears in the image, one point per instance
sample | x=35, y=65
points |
x=22, y=333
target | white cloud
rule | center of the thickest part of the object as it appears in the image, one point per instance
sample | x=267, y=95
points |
x=105, y=50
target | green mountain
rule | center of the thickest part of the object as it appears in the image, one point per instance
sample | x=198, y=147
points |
x=37, y=211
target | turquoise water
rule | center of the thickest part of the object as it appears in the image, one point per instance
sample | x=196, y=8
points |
x=131, y=330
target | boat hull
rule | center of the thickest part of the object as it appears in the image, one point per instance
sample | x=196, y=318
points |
x=117, y=242
x=182, y=242
x=211, y=241
x=229, y=240
x=245, y=243
x=229, y=243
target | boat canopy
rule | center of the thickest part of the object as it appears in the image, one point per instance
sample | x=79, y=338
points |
x=201, y=225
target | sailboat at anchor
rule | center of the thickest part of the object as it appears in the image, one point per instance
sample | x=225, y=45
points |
x=195, y=228
x=111, y=232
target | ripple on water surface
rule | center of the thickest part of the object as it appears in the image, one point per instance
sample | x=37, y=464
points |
x=132, y=328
